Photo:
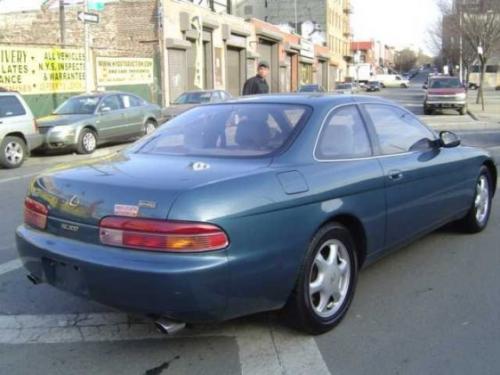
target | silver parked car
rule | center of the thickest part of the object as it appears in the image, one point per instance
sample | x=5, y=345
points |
x=190, y=99
x=18, y=130
x=84, y=121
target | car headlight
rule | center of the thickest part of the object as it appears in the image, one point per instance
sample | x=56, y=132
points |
x=63, y=130
x=460, y=96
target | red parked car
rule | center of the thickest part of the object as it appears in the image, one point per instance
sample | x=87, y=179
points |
x=445, y=92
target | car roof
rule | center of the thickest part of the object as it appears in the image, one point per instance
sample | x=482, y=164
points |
x=104, y=93
x=309, y=99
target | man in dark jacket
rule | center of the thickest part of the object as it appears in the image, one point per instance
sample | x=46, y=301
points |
x=258, y=84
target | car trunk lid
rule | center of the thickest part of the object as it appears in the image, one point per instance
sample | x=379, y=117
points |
x=78, y=197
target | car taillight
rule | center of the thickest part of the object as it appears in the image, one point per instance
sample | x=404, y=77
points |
x=160, y=235
x=35, y=213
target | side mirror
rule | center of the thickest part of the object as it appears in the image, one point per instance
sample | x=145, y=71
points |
x=448, y=139
x=104, y=110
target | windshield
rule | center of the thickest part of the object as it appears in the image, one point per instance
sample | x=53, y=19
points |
x=228, y=130
x=445, y=84
x=79, y=105
x=193, y=98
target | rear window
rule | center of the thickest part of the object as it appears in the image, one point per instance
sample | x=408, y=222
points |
x=11, y=106
x=445, y=83
x=228, y=130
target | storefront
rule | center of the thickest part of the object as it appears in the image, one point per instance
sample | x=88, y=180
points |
x=306, y=62
x=236, y=57
x=268, y=41
x=288, y=69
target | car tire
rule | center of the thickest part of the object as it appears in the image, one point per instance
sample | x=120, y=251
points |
x=382, y=86
x=87, y=142
x=403, y=86
x=479, y=213
x=149, y=127
x=330, y=265
x=428, y=111
x=462, y=111
x=13, y=152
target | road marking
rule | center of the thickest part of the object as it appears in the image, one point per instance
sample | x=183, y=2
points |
x=262, y=348
x=18, y=177
x=10, y=266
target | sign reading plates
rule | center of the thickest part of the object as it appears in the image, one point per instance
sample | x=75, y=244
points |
x=38, y=70
x=88, y=17
x=115, y=71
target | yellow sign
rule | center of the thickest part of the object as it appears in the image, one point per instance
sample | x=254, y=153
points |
x=115, y=71
x=39, y=70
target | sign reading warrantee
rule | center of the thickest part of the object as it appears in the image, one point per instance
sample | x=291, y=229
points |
x=115, y=71
x=42, y=70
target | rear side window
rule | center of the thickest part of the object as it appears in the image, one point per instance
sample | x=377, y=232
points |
x=11, y=106
x=343, y=136
x=228, y=130
x=111, y=102
x=398, y=131
x=131, y=101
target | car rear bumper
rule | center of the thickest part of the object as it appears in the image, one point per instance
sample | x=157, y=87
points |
x=34, y=141
x=184, y=287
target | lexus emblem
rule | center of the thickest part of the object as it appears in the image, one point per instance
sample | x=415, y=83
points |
x=74, y=201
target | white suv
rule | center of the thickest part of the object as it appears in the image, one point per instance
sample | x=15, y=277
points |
x=18, y=130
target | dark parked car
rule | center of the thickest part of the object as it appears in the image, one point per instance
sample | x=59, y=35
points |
x=83, y=122
x=311, y=88
x=373, y=86
x=191, y=99
x=257, y=204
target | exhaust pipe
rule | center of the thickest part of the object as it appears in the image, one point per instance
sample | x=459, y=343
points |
x=34, y=280
x=169, y=327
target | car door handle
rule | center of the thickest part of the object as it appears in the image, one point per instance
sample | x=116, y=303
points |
x=395, y=175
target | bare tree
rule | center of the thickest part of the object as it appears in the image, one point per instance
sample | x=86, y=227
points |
x=481, y=31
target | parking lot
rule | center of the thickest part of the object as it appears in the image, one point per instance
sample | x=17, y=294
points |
x=429, y=308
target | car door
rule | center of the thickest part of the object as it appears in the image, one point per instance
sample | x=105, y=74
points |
x=111, y=121
x=350, y=174
x=134, y=113
x=14, y=117
x=424, y=183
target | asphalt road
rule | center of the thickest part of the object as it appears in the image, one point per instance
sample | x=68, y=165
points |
x=430, y=308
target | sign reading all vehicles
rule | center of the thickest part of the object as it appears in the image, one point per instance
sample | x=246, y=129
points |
x=116, y=71
x=88, y=17
x=39, y=70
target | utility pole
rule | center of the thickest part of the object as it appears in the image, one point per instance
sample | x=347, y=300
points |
x=62, y=22
x=461, y=43
x=87, y=49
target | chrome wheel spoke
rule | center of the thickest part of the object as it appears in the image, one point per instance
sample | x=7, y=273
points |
x=329, y=278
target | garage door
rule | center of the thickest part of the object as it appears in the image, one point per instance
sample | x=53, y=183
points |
x=177, y=72
x=233, y=71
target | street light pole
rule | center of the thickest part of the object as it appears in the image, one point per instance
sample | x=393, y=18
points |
x=87, y=49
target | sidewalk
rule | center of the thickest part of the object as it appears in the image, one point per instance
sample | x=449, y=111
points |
x=491, y=104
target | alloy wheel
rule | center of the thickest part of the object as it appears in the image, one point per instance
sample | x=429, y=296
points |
x=329, y=278
x=150, y=127
x=14, y=153
x=89, y=142
x=482, y=200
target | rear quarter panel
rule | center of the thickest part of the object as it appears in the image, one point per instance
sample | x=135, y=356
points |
x=270, y=230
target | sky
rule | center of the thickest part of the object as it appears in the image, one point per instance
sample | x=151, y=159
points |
x=399, y=23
